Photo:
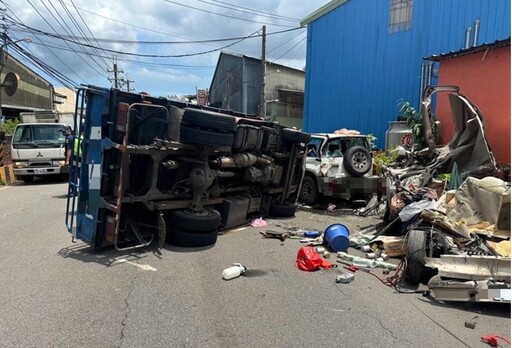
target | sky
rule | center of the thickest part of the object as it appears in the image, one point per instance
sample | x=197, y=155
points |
x=79, y=40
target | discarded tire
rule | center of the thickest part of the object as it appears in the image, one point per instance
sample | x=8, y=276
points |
x=295, y=136
x=309, y=191
x=282, y=210
x=189, y=135
x=191, y=240
x=357, y=160
x=210, y=119
x=416, y=246
x=207, y=220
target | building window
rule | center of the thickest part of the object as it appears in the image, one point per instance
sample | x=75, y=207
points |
x=400, y=15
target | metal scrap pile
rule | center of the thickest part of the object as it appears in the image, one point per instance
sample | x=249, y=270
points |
x=454, y=230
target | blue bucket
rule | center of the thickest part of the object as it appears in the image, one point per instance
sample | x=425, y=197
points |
x=337, y=237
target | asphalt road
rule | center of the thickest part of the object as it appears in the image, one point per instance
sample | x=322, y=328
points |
x=57, y=293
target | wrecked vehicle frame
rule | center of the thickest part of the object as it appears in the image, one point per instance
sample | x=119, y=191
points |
x=152, y=169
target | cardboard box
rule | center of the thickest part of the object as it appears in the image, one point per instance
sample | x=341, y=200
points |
x=392, y=246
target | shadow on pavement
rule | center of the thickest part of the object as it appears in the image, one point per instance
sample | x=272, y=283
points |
x=105, y=257
x=501, y=310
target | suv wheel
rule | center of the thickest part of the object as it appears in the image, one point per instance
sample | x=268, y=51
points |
x=309, y=191
x=357, y=160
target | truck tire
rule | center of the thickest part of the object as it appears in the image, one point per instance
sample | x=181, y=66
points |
x=207, y=220
x=309, y=190
x=282, y=210
x=357, y=160
x=416, y=250
x=295, y=136
x=210, y=119
x=187, y=239
x=189, y=135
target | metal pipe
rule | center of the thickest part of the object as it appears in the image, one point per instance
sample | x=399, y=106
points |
x=422, y=80
x=475, y=34
x=429, y=74
x=468, y=37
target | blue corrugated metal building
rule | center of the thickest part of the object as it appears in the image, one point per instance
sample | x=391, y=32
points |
x=365, y=56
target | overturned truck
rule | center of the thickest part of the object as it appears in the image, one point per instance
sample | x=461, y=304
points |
x=151, y=169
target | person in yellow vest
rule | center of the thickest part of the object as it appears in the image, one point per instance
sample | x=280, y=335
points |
x=78, y=145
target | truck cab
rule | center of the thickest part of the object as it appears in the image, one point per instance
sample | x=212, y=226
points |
x=38, y=146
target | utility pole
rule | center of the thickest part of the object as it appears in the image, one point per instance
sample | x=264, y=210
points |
x=117, y=81
x=263, y=70
x=3, y=59
x=128, y=81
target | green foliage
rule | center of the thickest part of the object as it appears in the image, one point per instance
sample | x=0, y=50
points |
x=414, y=122
x=383, y=158
x=9, y=125
x=371, y=139
x=447, y=177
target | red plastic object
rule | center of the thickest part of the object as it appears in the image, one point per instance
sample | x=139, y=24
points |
x=309, y=260
x=492, y=340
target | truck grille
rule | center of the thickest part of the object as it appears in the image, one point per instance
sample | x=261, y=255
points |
x=40, y=164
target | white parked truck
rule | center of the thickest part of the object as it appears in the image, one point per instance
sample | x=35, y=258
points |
x=38, y=146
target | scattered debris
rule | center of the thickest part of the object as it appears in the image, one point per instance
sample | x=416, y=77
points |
x=275, y=234
x=492, y=340
x=259, y=222
x=234, y=271
x=345, y=278
x=337, y=237
x=309, y=260
x=470, y=324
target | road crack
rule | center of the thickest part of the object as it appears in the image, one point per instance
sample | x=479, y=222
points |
x=127, y=309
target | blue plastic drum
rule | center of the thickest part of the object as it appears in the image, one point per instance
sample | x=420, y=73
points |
x=337, y=237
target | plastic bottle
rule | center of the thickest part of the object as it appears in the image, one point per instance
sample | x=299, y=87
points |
x=311, y=234
x=234, y=271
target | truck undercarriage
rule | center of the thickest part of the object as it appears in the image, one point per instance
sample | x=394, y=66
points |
x=152, y=169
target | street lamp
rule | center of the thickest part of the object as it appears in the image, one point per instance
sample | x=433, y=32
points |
x=3, y=59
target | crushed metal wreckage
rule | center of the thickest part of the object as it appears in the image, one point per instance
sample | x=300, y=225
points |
x=453, y=234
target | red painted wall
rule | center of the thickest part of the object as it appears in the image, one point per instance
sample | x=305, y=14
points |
x=485, y=79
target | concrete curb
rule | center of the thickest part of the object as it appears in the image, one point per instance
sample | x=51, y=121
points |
x=7, y=174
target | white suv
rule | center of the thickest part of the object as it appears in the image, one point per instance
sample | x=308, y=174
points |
x=339, y=165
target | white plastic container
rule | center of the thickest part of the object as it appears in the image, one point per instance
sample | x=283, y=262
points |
x=234, y=271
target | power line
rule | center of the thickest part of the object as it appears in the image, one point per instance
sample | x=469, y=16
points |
x=66, y=25
x=163, y=65
x=86, y=62
x=69, y=31
x=256, y=11
x=281, y=56
x=287, y=41
x=43, y=66
x=81, y=38
x=53, y=53
x=130, y=24
x=249, y=11
x=79, y=27
x=150, y=55
x=296, y=52
x=225, y=15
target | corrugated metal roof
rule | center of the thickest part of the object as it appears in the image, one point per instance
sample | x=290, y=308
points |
x=470, y=50
x=321, y=11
